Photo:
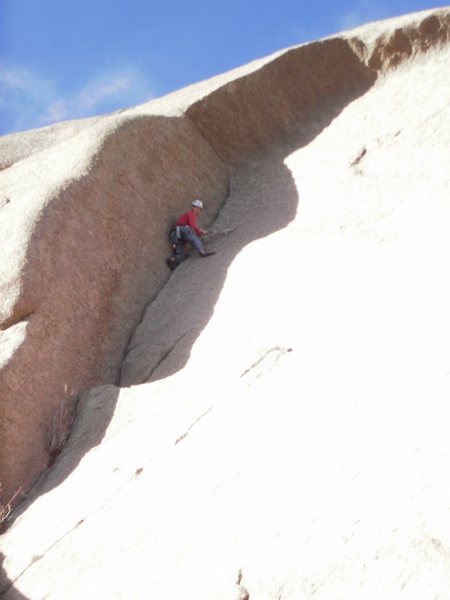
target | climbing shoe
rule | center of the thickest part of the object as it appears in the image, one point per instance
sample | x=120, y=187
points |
x=172, y=263
x=205, y=254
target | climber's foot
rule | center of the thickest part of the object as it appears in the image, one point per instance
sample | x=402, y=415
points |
x=172, y=263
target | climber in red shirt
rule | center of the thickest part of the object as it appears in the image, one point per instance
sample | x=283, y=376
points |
x=189, y=218
x=186, y=231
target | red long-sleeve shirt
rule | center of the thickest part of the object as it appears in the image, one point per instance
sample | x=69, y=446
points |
x=189, y=219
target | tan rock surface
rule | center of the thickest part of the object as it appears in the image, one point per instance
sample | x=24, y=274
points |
x=284, y=428
x=83, y=255
x=83, y=216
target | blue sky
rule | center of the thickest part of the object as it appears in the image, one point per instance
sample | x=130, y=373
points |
x=65, y=59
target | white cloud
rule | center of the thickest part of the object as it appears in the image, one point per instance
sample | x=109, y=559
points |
x=57, y=111
x=28, y=99
x=362, y=12
x=353, y=14
x=351, y=19
x=22, y=95
x=23, y=80
x=97, y=93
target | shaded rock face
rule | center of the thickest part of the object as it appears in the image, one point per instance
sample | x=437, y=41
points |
x=403, y=43
x=93, y=256
x=92, y=234
x=279, y=103
x=282, y=446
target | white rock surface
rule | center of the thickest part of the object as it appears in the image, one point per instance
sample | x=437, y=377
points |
x=281, y=429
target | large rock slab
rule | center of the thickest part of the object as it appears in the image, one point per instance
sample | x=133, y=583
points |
x=86, y=208
x=84, y=224
x=283, y=429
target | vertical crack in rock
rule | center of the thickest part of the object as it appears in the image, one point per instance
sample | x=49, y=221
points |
x=147, y=377
x=242, y=591
x=188, y=430
x=166, y=354
x=198, y=130
x=269, y=359
x=359, y=156
x=37, y=557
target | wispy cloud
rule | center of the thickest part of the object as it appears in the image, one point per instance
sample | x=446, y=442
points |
x=98, y=92
x=23, y=94
x=361, y=12
x=28, y=99
x=353, y=14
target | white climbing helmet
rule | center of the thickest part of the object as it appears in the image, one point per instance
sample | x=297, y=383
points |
x=197, y=203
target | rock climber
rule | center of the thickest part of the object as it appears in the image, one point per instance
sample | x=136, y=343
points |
x=186, y=231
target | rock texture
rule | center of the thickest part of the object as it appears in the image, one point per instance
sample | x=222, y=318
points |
x=273, y=424
x=85, y=224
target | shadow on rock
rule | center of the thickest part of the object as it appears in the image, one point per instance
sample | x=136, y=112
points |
x=7, y=589
x=253, y=123
x=96, y=409
x=263, y=199
x=250, y=124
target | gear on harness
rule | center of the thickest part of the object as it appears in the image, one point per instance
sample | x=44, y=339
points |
x=174, y=237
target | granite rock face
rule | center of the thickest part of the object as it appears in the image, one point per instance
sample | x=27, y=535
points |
x=268, y=422
x=86, y=223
